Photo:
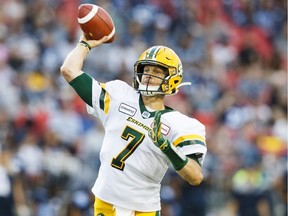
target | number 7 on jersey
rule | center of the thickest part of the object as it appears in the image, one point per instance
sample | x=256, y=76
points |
x=137, y=138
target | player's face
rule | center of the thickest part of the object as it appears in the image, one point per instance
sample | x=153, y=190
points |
x=152, y=75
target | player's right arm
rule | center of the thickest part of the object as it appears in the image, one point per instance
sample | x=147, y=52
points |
x=72, y=66
x=72, y=72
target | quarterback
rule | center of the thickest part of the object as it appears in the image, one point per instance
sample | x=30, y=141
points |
x=143, y=137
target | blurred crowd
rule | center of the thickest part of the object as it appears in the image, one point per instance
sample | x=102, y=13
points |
x=234, y=52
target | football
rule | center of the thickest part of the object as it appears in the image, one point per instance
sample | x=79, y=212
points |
x=95, y=22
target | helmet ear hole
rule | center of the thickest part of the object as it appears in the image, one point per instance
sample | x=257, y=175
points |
x=174, y=83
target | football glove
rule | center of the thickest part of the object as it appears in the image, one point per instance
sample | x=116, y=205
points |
x=155, y=134
x=177, y=158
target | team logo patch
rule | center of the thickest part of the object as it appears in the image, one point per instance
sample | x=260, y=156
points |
x=126, y=109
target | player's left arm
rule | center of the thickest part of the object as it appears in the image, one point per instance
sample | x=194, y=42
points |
x=188, y=167
x=191, y=172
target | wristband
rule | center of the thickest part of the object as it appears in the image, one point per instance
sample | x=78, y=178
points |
x=176, y=157
x=84, y=43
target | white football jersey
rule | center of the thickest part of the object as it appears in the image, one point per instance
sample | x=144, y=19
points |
x=132, y=167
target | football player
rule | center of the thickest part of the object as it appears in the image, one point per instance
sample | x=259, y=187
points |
x=142, y=136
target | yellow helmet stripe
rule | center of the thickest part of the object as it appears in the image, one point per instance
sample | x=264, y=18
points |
x=151, y=53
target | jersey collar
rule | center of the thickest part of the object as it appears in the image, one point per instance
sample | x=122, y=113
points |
x=146, y=113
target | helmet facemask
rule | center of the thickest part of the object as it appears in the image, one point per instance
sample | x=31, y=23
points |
x=146, y=89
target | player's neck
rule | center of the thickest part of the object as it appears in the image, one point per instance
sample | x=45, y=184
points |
x=155, y=102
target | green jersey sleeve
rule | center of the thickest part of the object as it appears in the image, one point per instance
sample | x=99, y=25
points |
x=83, y=86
